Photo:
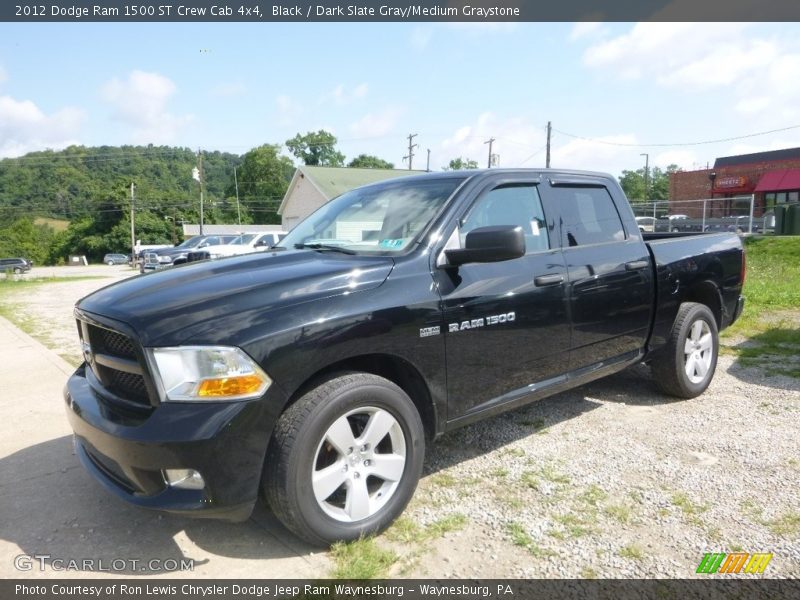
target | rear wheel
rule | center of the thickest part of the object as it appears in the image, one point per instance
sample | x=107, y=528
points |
x=345, y=459
x=687, y=365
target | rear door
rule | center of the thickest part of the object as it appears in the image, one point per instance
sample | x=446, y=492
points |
x=505, y=323
x=610, y=287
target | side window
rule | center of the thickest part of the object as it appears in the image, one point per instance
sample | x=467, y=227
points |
x=510, y=205
x=588, y=216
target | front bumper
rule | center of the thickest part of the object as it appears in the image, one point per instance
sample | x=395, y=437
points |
x=126, y=451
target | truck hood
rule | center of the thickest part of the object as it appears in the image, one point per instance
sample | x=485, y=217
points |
x=164, y=307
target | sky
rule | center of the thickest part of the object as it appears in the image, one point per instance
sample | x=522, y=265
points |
x=611, y=91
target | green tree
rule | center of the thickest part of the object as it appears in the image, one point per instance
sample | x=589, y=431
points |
x=25, y=239
x=316, y=149
x=460, y=164
x=264, y=177
x=368, y=161
x=633, y=183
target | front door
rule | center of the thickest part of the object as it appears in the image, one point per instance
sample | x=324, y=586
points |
x=506, y=324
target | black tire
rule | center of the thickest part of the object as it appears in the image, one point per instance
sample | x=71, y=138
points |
x=17, y=271
x=671, y=367
x=302, y=445
x=110, y=263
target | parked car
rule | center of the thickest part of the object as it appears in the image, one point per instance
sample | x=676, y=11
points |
x=243, y=244
x=176, y=255
x=16, y=265
x=116, y=259
x=315, y=374
x=646, y=224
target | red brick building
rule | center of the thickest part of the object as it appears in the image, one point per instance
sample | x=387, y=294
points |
x=774, y=178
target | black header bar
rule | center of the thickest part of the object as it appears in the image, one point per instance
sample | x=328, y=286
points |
x=398, y=10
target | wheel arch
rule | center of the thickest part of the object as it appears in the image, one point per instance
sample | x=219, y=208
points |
x=394, y=368
x=707, y=293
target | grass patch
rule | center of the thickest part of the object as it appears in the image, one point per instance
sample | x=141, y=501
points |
x=454, y=522
x=515, y=452
x=445, y=480
x=404, y=530
x=56, y=224
x=619, y=512
x=26, y=281
x=631, y=551
x=688, y=507
x=530, y=480
x=574, y=526
x=500, y=473
x=593, y=495
x=520, y=537
x=588, y=573
x=772, y=285
x=361, y=559
x=551, y=474
x=785, y=525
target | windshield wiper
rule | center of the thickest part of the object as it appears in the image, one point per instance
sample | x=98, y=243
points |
x=332, y=247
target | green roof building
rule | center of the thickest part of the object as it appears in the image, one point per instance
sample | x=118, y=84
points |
x=311, y=187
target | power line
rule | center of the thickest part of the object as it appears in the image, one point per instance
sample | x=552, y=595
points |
x=668, y=145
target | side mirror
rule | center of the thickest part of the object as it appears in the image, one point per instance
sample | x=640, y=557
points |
x=261, y=243
x=489, y=244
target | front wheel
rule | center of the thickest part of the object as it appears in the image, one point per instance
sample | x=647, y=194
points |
x=345, y=459
x=687, y=365
x=110, y=263
x=17, y=271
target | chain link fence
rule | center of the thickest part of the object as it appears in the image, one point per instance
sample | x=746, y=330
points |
x=737, y=214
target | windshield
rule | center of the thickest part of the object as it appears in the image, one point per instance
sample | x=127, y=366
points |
x=243, y=240
x=383, y=218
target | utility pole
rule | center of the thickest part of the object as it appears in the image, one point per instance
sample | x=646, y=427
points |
x=490, y=141
x=200, y=157
x=236, y=183
x=133, y=228
x=428, y=168
x=547, y=159
x=411, y=147
x=646, y=173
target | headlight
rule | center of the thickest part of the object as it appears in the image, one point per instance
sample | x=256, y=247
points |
x=165, y=259
x=202, y=373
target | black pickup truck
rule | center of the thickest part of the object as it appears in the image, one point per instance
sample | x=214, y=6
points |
x=315, y=373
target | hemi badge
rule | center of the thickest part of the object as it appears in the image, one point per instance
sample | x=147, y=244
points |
x=429, y=331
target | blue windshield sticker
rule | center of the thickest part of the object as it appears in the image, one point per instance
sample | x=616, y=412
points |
x=391, y=243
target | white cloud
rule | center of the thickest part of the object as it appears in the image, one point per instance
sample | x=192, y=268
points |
x=25, y=128
x=482, y=27
x=141, y=102
x=230, y=89
x=516, y=140
x=421, y=37
x=342, y=95
x=598, y=154
x=376, y=124
x=753, y=74
x=288, y=109
x=585, y=29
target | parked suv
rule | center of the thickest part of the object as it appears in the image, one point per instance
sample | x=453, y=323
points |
x=18, y=265
x=115, y=259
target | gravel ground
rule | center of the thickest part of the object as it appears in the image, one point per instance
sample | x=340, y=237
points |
x=609, y=480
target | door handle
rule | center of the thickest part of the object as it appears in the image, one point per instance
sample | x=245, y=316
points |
x=636, y=265
x=543, y=280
